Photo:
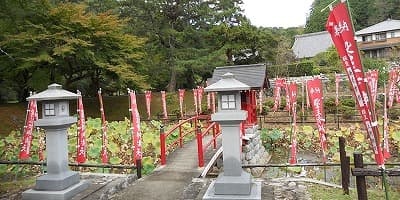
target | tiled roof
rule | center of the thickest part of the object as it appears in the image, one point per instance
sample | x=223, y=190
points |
x=309, y=45
x=251, y=75
x=388, y=25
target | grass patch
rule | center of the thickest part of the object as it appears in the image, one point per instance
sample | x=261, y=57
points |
x=15, y=186
x=324, y=192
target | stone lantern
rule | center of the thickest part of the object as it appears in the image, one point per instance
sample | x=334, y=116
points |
x=59, y=182
x=234, y=182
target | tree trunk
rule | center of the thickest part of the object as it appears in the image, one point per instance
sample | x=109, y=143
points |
x=171, y=61
x=229, y=56
x=172, y=81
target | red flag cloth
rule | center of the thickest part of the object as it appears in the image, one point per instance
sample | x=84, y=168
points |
x=181, y=96
x=372, y=80
x=292, y=91
x=81, y=148
x=316, y=97
x=200, y=91
x=164, y=104
x=135, y=127
x=337, y=81
x=341, y=30
x=397, y=84
x=287, y=97
x=386, y=152
x=208, y=99
x=28, y=129
x=195, y=97
x=279, y=83
x=307, y=98
x=261, y=99
x=147, y=95
x=103, y=153
x=393, y=76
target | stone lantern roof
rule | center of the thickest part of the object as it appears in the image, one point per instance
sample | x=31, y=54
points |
x=227, y=83
x=54, y=92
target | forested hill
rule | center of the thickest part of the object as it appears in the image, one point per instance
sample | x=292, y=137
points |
x=140, y=44
x=364, y=12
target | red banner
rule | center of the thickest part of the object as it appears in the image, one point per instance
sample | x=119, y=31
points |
x=147, y=95
x=372, y=80
x=287, y=96
x=135, y=127
x=341, y=30
x=292, y=92
x=208, y=99
x=81, y=148
x=31, y=116
x=317, y=103
x=103, y=153
x=393, y=77
x=181, y=96
x=195, y=97
x=261, y=99
x=386, y=152
x=337, y=81
x=397, y=84
x=164, y=104
x=279, y=83
x=200, y=91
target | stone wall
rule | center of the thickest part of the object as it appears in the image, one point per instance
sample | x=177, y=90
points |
x=253, y=151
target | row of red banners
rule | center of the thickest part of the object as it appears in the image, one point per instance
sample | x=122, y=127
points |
x=341, y=30
x=315, y=96
x=197, y=95
x=135, y=119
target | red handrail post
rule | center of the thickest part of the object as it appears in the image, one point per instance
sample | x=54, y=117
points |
x=162, y=145
x=180, y=137
x=214, y=138
x=200, y=147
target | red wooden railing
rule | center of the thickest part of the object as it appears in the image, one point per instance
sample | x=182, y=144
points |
x=200, y=135
x=163, y=135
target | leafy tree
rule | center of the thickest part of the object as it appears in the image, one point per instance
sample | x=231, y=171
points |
x=316, y=20
x=364, y=13
x=74, y=47
x=187, y=39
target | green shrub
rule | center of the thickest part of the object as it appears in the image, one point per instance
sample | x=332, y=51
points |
x=348, y=112
x=348, y=102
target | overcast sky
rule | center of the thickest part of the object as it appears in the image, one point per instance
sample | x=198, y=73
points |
x=277, y=13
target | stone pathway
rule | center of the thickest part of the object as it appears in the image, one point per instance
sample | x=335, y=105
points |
x=168, y=182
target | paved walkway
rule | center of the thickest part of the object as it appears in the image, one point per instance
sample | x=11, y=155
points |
x=168, y=182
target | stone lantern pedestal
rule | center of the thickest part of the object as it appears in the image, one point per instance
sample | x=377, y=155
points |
x=234, y=182
x=59, y=183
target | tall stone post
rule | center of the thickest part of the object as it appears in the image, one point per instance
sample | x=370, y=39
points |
x=59, y=182
x=233, y=182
